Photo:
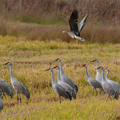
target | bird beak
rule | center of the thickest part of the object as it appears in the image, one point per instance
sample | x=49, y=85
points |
x=54, y=67
x=5, y=64
x=98, y=67
x=83, y=65
x=47, y=70
x=56, y=59
x=92, y=61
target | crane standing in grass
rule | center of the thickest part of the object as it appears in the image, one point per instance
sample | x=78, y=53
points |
x=5, y=87
x=66, y=86
x=58, y=88
x=65, y=78
x=108, y=88
x=94, y=83
x=75, y=28
x=98, y=75
x=113, y=83
x=18, y=86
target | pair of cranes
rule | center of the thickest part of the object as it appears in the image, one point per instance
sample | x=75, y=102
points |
x=18, y=86
x=65, y=86
x=104, y=84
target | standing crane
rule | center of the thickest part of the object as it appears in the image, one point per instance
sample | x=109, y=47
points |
x=98, y=75
x=5, y=87
x=113, y=83
x=1, y=104
x=75, y=28
x=58, y=88
x=66, y=86
x=65, y=78
x=107, y=87
x=18, y=86
x=94, y=83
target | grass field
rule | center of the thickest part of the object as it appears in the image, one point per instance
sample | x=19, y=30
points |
x=32, y=48
x=30, y=58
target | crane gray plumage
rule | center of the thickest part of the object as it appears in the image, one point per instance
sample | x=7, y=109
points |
x=113, y=83
x=94, y=83
x=108, y=88
x=5, y=87
x=18, y=86
x=58, y=88
x=98, y=75
x=65, y=78
x=75, y=29
x=1, y=104
x=66, y=86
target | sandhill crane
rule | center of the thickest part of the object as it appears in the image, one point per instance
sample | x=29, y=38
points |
x=18, y=86
x=58, y=88
x=94, y=83
x=65, y=78
x=107, y=87
x=66, y=86
x=5, y=87
x=1, y=104
x=75, y=28
x=98, y=75
x=113, y=83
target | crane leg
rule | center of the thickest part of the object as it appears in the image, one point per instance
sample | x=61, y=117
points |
x=20, y=99
x=100, y=91
x=108, y=96
x=60, y=99
x=93, y=91
x=1, y=94
x=4, y=95
x=96, y=92
x=18, y=96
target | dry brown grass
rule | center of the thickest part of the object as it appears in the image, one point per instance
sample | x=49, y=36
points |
x=101, y=26
x=58, y=11
x=103, y=34
x=29, y=60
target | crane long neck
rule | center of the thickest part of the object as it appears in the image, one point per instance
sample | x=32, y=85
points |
x=103, y=78
x=107, y=74
x=61, y=69
x=87, y=75
x=97, y=66
x=11, y=71
x=58, y=79
x=53, y=80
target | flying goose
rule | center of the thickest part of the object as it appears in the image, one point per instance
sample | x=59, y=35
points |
x=75, y=28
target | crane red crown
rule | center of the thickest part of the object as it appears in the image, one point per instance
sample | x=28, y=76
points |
x=99, y=67
x=84, y=65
